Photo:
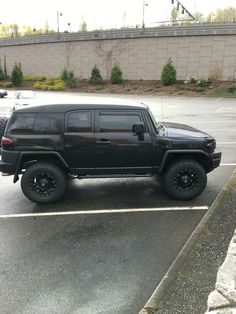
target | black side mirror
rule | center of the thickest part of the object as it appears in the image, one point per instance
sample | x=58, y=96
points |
x=138, y=129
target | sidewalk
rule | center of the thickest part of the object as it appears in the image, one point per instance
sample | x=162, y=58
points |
x=196, y=277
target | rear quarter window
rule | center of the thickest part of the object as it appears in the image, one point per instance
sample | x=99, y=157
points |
x=21, y=123
x=47, y=123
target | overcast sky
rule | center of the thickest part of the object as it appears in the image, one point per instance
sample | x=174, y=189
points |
x=98, y=14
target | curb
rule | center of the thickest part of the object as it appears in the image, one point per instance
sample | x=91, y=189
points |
x=151, y=306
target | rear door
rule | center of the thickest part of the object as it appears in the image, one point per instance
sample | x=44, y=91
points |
x=79, y=139
x=118, y=148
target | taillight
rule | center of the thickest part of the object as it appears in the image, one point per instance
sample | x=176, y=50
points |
x=6, y=141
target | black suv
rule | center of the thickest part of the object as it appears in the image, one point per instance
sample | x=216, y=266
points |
x=48, y=144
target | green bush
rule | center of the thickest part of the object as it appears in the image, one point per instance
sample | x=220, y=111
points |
x=68, y=78
x=59, y=87
x=53, y=84
x=64, y=75
x=116, y=75
x=2, y=76
x=37, y=85
x=168, y=74
x=95, y=77
x=71, y=82
x=202, y=83
x=16, y=75
x=34, y=78
x=232, y=89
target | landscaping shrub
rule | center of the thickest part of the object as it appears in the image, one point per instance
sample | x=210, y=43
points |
x=168, y=74
x=53, y=84
x=16, y=75
x=96, y=77
x=116, y=75
x=232, y=89
x=71, y=82
x=64, y=75
x=68, y=78
x=202, y=83
x=34, y=78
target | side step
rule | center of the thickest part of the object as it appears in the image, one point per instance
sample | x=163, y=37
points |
x=106, y=176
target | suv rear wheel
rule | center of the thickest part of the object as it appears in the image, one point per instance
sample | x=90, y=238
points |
x=43, y=183
x=185, y=180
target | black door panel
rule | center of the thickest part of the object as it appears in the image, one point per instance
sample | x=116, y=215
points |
x=123, y=149
x=79, y=139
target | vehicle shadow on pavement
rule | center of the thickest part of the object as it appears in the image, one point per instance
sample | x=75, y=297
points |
x=111, y=194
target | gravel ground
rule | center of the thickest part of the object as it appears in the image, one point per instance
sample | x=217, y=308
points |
x=197, y=277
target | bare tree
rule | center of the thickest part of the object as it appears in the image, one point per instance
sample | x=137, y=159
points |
x=68, y=53
x=109, y=55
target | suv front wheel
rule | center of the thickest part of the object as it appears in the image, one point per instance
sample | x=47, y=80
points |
x=185, y=180
x=43, y=183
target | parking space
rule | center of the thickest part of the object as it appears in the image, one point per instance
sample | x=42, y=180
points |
x=106, y=246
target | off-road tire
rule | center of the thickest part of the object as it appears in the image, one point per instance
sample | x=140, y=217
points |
x=43, y=183
x=185, y=179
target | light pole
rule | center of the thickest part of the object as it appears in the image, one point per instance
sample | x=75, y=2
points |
x=144, y=5
x=69, y=26
x=58, y=17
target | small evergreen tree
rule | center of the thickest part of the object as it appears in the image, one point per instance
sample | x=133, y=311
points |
x=64, y=75
x=71, y=82
x=95, y=77
x=168, y=74
x=16, y=75
x=2, y=76
x=116, y=75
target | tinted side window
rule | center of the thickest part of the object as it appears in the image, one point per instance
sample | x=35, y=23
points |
x=47, y=124
x=21, y=123
x=118, y=123
x=79, y=121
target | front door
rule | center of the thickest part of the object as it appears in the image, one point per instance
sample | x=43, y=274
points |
x=118, y=148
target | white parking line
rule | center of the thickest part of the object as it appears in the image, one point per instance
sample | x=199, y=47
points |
x=230, y=164
x=103, y=211
x=226, y=143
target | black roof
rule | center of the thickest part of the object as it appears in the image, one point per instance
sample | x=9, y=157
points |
x=68, y=107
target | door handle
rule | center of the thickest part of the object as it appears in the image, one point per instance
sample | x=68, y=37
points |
x=103, y=141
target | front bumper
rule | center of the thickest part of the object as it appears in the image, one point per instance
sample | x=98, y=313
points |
x=215, y=160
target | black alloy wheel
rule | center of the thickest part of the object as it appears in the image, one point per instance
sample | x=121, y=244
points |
x=43, y=183
x=185, y=179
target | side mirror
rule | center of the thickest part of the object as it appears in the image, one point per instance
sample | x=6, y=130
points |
x=138, y=129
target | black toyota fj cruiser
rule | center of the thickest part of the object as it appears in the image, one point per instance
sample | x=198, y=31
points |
x=49, y=143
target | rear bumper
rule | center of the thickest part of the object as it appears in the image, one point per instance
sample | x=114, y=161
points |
x=7, y=168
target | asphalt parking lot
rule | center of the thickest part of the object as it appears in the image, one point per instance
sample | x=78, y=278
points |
x=106, y=246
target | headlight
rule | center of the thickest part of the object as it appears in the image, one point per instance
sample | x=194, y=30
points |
x=211, y=145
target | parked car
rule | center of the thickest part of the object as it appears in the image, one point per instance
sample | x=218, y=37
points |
x=47, y=144
x=23, y=98
x=3, y=93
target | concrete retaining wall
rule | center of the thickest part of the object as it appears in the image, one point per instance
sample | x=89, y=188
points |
x=195, y=51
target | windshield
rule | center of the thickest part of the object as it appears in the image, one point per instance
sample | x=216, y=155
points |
x=157, y=125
